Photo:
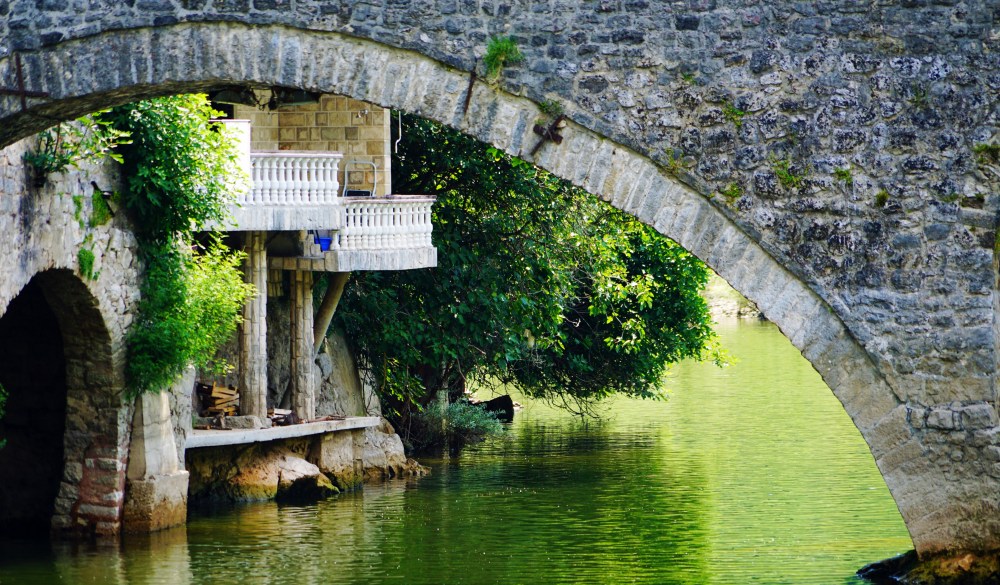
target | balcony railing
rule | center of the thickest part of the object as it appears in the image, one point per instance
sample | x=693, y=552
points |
x=399, y=222
x=300, y=190
x=293, y=178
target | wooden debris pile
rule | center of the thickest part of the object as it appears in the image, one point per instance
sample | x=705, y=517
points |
x=216, y=399
x=282, y=417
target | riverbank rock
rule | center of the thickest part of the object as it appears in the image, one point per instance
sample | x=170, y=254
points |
x=384, y=457
x=257, y=472
x=944, y=569
x=725, y=302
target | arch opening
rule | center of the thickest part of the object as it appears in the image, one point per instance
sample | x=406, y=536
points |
x=33, y=371
x=55, y=363
x=630, y=181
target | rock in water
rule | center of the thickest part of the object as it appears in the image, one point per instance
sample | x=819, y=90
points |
x=502, y=406
x=301, y=481
x=259, y=472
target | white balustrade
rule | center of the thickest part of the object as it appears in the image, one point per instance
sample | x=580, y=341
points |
x=293, y=178
x=395, y=223
x=303, y=178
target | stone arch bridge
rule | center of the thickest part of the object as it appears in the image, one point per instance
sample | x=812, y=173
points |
x=831, y=160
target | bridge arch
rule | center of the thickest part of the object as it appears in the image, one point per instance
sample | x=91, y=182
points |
x=118, y=66
x=61, y=468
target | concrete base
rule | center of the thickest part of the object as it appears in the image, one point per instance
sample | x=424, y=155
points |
x=156, y=502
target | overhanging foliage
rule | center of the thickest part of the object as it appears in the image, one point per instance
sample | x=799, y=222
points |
x=181, y=173
x=538, y=284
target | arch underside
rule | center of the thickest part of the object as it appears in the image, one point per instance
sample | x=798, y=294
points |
x=196, y=57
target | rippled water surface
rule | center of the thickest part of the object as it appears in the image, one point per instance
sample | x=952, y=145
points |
x=749, y=474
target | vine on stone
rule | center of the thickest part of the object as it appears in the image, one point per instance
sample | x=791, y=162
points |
x=181, y=172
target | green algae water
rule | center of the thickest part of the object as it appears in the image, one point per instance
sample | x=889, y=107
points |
x=748, y=474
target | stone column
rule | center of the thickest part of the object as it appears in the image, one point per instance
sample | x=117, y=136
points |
x=156, y=487
x=303, y=357
x=253, y=332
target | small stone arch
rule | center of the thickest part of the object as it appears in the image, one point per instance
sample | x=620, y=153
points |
x=65, y=414
x=123, y=65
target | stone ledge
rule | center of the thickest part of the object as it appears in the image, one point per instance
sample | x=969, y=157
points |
x=240, y=437
x=290, y=217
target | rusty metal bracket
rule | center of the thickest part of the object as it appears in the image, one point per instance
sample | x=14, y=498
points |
x=550, y=132
x=468, y=92
x=19, y=90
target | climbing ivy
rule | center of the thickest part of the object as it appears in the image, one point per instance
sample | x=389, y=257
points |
x=181, y=168
x=181, y=171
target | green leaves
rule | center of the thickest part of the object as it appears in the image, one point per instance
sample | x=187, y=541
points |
x=182, y=173
x=501, y=51
x=455, y=424
x=191, y=303
x=70, y=144
x=182, y=169
x=538, y=284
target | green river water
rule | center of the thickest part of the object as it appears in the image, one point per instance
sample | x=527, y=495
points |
x=748, y=474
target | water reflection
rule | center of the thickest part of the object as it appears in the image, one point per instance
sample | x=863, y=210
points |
x=749, y=474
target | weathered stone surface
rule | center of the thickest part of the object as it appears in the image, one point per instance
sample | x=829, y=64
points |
x=341, y=392
x=155, y=502
x=252, y=337
x=44, y=228
x=896, y=264
x=340, y=457
x=257, y=472
x=384, y=457
x=943, y=569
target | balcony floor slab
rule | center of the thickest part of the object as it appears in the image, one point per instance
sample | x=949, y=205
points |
x=359, y=260
x=290, y=217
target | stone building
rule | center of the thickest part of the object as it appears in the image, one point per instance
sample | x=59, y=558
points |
x=81, y=457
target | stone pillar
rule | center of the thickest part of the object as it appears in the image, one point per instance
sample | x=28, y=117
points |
x=303, y=357
x=253, y=332
x=155, y=487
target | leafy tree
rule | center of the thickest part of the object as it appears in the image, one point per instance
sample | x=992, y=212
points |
x=538, y=284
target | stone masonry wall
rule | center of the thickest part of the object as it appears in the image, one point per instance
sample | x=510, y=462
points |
x=842, y=132
x=44, y=228
x=358, y=130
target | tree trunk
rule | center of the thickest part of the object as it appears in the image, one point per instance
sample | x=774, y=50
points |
x=324, y=315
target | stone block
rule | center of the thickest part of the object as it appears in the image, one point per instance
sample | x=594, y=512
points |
x=977, y=416
x=156, y=502
x=943, y=418
x=337, y=456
